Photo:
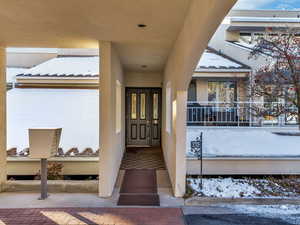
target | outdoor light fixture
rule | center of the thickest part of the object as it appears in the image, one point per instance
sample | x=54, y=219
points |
x=141, y=25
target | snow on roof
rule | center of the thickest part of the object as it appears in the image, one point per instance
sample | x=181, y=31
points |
x=66, y=67
x=266, y=19
x=212, y=61
x=75, y=110
x=243, y=45
x=12, y=72
x=88, y=66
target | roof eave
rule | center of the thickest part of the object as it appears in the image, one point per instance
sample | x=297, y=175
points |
x=222, y=71
x=58, y=77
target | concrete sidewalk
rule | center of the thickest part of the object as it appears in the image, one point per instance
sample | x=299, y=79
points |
x=30, y=200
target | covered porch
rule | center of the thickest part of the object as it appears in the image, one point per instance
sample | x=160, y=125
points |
x=138, y=47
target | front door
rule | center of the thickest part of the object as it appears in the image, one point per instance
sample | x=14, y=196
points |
x=143, y=117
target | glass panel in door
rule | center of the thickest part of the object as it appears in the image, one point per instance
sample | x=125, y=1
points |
x=133, y=106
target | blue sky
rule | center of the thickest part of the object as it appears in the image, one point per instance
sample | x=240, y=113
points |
x=268, y=4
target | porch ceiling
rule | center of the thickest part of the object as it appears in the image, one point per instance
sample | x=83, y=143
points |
x=77, y=24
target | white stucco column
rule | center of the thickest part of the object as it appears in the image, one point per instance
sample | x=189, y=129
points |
x=202, y=20
x=180, y=140
x=2, y=116
x=112, y=134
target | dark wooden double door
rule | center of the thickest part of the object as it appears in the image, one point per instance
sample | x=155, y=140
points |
x=143, y=117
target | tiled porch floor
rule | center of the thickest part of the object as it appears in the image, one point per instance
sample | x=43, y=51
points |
x=143, y=158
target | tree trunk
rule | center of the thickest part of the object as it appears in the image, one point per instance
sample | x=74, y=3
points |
x=299, y=118
x=298, y=107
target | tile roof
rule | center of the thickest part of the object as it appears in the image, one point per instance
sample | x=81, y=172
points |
x=213, y=61
x=69, y=66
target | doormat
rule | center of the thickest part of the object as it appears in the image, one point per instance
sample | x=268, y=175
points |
x=139, y=187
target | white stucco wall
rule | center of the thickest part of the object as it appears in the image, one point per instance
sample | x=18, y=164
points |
x=2, y=116
x=201, y=22
x=112, y=142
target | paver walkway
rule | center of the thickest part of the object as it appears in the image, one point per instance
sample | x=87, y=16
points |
x=139, y=186
x=84, y=216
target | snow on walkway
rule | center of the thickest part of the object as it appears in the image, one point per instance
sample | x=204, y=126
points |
x=244, y=142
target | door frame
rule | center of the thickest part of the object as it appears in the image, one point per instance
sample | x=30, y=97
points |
x=127, y=114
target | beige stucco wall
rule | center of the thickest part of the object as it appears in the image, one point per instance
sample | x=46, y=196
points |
x=71, y=165
x=211, y=166
x=200, y=23
x=202, y=90
x=112, y=144
x=242, y=90
x=245, y=166
x=143, y=79
x=2, y=116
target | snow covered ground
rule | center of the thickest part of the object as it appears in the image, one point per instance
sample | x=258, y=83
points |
x=76, y=111
x=287, y=187
x=244, y=142
x=224, y=188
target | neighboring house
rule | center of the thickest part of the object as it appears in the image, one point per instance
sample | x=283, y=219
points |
x=239, y=30
x=29, y=62
x=220, y=100
x=18, y=60
x=218, y=83
x=62, y=72
x=63, y=83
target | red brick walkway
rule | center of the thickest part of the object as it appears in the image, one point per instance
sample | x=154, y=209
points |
x=100, y=216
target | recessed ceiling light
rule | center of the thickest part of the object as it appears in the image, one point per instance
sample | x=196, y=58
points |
x=141, y=25
x=144, y=66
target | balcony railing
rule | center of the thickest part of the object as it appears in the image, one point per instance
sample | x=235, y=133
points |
x=238, y=114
